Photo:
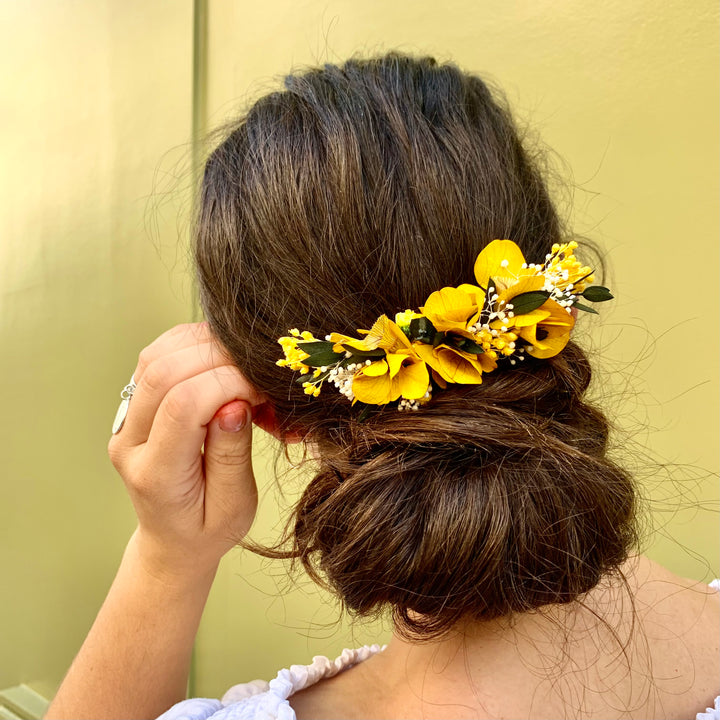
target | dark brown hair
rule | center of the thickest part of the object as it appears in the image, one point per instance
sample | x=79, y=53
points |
x=357, y=191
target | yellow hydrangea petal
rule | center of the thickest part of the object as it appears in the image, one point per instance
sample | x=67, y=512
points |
x=373, y=390
x=531, y=318
x=452, y=365
x=386, y=334
x=379, y=367
x=556, y=326
x=477, y=293
x=383, y=334
x=527, y=283
x=395, y=361
x=450, y=308
x=413, y=380
x=340, y=340
x=550, y=346
x=489, y=262
x=386, y=380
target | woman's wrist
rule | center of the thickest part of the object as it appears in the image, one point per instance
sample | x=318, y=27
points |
x=170, y=567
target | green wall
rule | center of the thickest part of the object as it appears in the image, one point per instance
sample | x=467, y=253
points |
x=95, y=115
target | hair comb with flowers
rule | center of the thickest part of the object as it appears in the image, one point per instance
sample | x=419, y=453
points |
x=516, y=309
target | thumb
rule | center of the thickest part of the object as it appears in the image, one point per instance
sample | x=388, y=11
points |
x=230, y=490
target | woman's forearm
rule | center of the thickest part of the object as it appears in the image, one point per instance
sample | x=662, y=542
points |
x=136, y=658
x=184, y=452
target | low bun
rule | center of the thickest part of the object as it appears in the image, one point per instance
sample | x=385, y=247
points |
x=493, y=500
x=357, y=192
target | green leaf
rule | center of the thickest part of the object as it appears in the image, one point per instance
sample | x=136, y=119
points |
x=469, y=346
x=364, y=414
x=320, y=354
x=528, y=301
x=422, y=329
x=438, y=339
x=462, y=343
x=355, y=352
x=312, y=346
x=597, y=293
x=585, y=308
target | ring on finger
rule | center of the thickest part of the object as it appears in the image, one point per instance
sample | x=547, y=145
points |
x=125, y=395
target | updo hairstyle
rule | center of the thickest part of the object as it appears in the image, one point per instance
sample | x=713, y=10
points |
x=355, y=192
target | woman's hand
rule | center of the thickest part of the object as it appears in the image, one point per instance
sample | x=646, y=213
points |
x=185, y=452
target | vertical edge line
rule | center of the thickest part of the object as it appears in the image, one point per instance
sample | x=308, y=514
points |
x=199, y=110
x=198, y=114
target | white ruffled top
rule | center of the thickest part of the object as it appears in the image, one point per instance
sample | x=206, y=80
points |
x=262, y=700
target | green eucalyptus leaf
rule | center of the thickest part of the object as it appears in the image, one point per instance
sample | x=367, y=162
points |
x=364, y=413
x=313, y=346
x=597, y=293
x=585, y=308
x=322, y=356
x=422, y=329
x=528, y=301
x=355, y=352
x=470, y=346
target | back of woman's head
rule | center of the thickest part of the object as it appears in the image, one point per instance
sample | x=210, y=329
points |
x=358, y=191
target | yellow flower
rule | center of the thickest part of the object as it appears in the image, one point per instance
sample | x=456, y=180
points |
x=501, y=260
x=454, y=309
x=476, y=325
x=554, y=331
x=294, y=355
x=454, y=365
x=383, y=334
x=547, y=327
x=401, y=373
x=403, y=319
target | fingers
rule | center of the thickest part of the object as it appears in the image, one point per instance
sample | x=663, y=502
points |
x=228, y=469
x=232, y=417
x=176, y=356
x=189, y=395
x=160, y=377
x=180, y=425
x=176, y=338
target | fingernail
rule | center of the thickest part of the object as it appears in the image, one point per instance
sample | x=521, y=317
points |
x=233, y=423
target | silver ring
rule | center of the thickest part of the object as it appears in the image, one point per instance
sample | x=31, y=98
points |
x=125, y=395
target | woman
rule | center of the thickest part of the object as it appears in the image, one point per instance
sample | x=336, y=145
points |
x=462, y=481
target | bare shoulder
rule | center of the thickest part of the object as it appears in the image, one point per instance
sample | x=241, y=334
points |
x=678, y=630
x=352, y=693
x=662, y=596
x=676, y=611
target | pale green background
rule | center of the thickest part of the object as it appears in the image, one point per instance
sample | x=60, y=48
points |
x=97, y=106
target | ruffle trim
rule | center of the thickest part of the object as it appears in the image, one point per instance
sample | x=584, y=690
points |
x=298, y=677
x=710, y=713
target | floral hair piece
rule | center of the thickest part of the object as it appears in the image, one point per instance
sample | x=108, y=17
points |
x=516, y=309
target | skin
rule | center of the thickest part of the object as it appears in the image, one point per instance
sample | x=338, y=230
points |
x=184, y=455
